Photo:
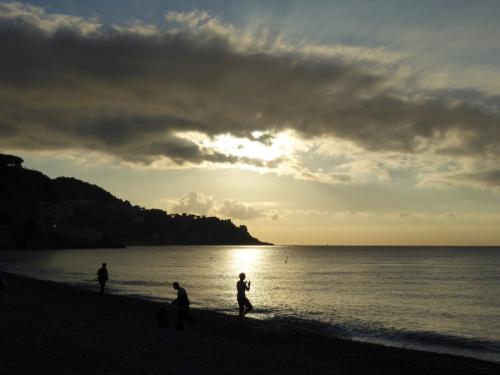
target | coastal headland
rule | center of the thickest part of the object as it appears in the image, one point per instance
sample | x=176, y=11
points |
x=37, y=212
x=52, y=328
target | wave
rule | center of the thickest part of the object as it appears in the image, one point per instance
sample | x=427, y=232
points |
x=138, y=283
x=420, y=340
x=451, y=341
x=266, y=313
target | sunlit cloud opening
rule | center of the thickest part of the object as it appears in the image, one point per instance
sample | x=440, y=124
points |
x=279, y=145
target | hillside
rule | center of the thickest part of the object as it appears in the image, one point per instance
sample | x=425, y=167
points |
x=39, y=212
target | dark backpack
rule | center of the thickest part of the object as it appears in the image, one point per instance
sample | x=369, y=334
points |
x=162, y=317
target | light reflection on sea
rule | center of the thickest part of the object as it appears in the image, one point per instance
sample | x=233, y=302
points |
x=439, y=299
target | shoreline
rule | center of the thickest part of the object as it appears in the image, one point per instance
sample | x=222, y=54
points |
x=71, y=330
x=428, y=342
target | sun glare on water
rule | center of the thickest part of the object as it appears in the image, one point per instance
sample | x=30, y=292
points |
x=246, y=259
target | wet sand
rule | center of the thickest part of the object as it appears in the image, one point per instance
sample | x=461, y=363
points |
x=51, y=328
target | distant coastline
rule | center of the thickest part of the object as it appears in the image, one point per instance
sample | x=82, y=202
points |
x=37, y=212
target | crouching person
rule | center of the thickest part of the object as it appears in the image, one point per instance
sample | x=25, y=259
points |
x=182, y=304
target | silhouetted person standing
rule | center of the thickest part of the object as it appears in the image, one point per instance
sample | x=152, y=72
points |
x=102, y=277
x=182, y=303
x=244, y=304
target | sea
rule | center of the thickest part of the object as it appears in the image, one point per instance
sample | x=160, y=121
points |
x=438, y=299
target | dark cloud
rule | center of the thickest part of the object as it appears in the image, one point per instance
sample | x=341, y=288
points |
x=127, y=93
x=486, y=178
x=7, y=129
x=266, y=138
x=470, y=96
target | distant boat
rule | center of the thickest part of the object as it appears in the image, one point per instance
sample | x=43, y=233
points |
x=286, y=260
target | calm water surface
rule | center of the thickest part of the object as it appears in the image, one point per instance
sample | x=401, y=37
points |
x=432, y=298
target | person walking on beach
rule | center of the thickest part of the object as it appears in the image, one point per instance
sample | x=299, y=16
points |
x=182, y=303
x=102, y=277
x=244, y=304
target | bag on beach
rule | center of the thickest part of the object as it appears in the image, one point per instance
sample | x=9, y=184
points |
x=2, y=283
x=162, y=317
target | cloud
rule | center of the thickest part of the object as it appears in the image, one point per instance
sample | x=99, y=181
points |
x=235, y=209
x=490, y=177
x=6, y=128
x=193, y=202
x=479, y=179
x=69, y=83
x=348, y=218
x=202, y=204
x=26, y=15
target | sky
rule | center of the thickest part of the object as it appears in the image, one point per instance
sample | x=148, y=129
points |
x=310, y=122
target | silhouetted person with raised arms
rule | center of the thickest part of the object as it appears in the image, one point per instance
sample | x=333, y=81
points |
x=102, y=277
x=244, y=304
x=182, y=303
